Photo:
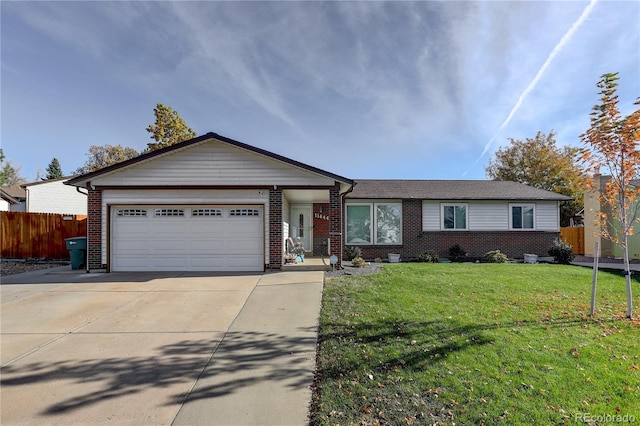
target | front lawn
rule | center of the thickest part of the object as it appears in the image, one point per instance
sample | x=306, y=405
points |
x=476, y=344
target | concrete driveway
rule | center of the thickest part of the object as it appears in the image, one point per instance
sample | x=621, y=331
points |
x=143, y=348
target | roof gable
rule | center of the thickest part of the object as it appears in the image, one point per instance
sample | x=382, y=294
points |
x=450, y=190
x=210, y=159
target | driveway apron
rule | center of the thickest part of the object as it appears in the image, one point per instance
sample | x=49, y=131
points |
x=134, y=349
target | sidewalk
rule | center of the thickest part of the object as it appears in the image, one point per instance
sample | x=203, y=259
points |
x=609, y=265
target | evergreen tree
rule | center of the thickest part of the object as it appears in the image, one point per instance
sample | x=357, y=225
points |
x=54, y=171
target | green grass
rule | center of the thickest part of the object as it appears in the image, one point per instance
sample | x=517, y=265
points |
x=476, y=344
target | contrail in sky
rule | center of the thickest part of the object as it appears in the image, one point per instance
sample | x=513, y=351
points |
x=563, y=41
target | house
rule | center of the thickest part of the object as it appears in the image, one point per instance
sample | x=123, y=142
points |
x=210, y=203
x=53, y=196
x=6, y=200
x=19, y=197
x=215, y=204
x=592, y=233
x=412, y=216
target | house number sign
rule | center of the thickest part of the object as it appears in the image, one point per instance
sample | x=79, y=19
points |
x=320, y=216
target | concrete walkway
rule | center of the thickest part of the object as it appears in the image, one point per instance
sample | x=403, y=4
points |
x=262, y=371
x=162, y=349
x=609, y=265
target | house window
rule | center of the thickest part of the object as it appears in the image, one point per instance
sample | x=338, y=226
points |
x=169, y=212
x=522, y=216
x=454, y=216
x=374, y=223
x=206, y=212
x=301, y=227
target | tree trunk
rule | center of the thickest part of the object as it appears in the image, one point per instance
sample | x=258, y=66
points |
x=627, y=276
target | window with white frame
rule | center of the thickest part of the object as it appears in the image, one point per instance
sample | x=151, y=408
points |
x=374, y=223
x=522, y=216
x=454, y=216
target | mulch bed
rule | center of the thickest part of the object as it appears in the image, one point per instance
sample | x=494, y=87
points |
x=349, y=269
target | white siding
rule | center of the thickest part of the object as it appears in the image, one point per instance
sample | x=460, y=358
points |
x=212, y=163
x=492, y=215
x=4, y=205
x=55, y=197
x=547, y=216
x=177, y=197
x=430, y=215
x=488, y=216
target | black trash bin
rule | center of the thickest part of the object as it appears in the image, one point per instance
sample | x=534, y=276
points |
x=77, y=247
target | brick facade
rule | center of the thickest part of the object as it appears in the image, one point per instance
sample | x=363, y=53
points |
x=275, y=229
x=321, y=225
x=476, y=243
x=94, y=230
x=335, y=222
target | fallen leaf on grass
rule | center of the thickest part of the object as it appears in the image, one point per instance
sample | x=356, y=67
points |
x=367, y=410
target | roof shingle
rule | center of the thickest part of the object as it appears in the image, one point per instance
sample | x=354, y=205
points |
x=449, y=190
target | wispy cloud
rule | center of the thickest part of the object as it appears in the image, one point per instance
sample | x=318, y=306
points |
x=556, y=50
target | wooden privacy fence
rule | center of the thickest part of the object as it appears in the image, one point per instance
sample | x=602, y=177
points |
x=38, y=235
x=575, y=237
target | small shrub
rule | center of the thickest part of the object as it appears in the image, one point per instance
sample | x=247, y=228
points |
x=352, y=252
x=378, y=260
x=429, y=256
x=457, y=253
x=562, y=252
x=358, y=262
x=495, y=256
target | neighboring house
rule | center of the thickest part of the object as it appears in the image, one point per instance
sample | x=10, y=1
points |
x=412, y=216
x=592, y=233
x=6, y=201
x=53, y=196
x=19, y=195
x=215, y=204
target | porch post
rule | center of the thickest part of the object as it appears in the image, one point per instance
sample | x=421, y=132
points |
x=275, y=228
x=335, y=225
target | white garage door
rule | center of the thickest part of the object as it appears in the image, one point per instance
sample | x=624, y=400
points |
x=187, y=238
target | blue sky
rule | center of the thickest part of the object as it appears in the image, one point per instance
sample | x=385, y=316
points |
x=414, y=90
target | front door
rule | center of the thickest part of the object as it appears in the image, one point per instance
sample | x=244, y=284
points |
x=301, y=225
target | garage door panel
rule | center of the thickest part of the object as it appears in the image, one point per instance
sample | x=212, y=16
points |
x=222, y=241
x=131, y=262
x=168, y=262
x=169, y=245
